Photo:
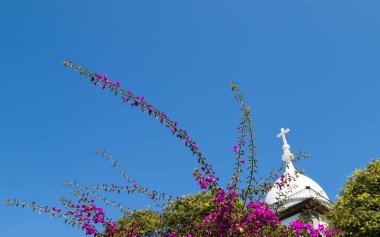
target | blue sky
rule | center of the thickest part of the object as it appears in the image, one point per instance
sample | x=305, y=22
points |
x=312, y=66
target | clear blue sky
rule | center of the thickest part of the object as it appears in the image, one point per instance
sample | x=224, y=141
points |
x=312, y=66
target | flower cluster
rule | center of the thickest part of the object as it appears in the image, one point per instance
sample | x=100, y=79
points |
x=204, y=182
x=304, y=229
x=87, y=213
x=228, y=220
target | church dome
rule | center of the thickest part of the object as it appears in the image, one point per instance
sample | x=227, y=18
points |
x=293, y=188
x=300, y=188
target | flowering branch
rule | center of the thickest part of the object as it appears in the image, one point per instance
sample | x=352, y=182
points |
x=97, y=196
x=239, y=152
x=153, y=195
x=84, y=214
x=247, y=128
x=45, y=209
x=139, y=101
x=88, y=214
x=238, y=149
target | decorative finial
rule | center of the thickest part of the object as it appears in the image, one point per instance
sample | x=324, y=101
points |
x=287, y=156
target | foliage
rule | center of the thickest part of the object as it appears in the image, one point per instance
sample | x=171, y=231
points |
x=357, y=211
x=176, y=215
x=188, y=209
x=234, y=210
x=142, y=222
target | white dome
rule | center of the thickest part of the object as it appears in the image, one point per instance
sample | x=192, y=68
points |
x=300, y=188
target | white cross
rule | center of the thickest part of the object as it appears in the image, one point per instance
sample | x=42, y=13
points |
x=282, y=134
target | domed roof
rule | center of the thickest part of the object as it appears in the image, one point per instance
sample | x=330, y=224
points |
x=300, y=188
x=293, y=188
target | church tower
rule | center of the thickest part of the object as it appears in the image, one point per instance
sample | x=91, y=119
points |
x=295, y=195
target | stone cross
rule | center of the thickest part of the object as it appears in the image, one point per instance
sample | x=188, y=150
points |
x=287, y=155
x=282, y=134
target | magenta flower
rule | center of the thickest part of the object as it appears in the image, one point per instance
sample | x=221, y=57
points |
x=106, y=79
x=235, y=149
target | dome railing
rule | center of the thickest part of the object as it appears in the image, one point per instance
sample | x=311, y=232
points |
x=302, y=195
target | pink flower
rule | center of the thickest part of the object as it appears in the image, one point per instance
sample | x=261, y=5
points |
x=106, y=79
x=235, y=149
